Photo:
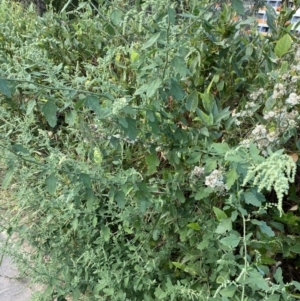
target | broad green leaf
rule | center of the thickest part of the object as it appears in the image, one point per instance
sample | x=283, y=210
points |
x=192, y=101
x=264, y=228
x=295, y=248
x=106, y=233
x=220, y=148
x=231, y=177
x=271, y=17
x=92, y=102
x=219, y=214
x=90, y=200
x=51, y=183
x=232, y=241
x=273, y=297
x=4, y=89
x=228, y=291
x=134, y=56
x=49, y=110
x=194, y=226
x=249, y=50
x=152, y=163
x=179, y=66
x=278, y=275
x=70, y=117
x=7, y=179
x=256, y=278
x=116, y=17
x=238, y=6
x=151, y=41
x=131, y=129
x=283, y=45
x=120, y=199
x=19, y=149
x=250, y=198
x=153, y=86
x=224, y=226
x=75, y=294
x=176, y=90
x=203, y=193
x=296, y=284
x=86, y=180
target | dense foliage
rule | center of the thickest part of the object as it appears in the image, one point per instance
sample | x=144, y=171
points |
x=151, y=151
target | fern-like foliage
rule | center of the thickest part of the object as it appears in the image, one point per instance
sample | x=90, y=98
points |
x=277, y=171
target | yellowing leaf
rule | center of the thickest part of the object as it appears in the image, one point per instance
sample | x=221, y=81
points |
x=97, y=156
x=134, y=56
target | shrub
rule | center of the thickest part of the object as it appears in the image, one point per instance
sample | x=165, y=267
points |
x=144, y=145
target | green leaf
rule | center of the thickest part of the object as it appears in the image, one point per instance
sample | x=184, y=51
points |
x=19, y=149
x=250, y=198
x=273, y=297
x=51, y=183
x=92, y=102
x=179, y=66
x=228, y=291
x=264, y=228
x=238, y=6
x=295, y=248
x=30, y=106
x=220, y=148
x=232, y=241
x=194, y=226
x=192, y=101
x=49, y=110
x=153, y=86
x=256, y=278
x=231, y=177
x=283, y=45
x=120, y=199
x=131, y=130
x=116, y=17
x=208, y=101
x=7, y=179
x=219, y=214
x=151, y=41
x=152, y=163
x=106, y=233
x=171, y=15
x=203, y=193
x=90, y=199
x=97, y=156
x=176, y=90
x=70, y=117
x=4, y=89
x=224, y=226
x=178, y=265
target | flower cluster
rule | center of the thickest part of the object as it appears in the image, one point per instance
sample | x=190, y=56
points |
x=197, y=172
x=249, y=111
x=216, y=181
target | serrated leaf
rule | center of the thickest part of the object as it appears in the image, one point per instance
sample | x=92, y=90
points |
x=49, y=110
x=231, y=241
x=51, y=183
x=194, y=226
x=224, y=226
x=151, y=41
x=92, y=102
x=176, y=90
x=152, y=163
x=257, y=279
x=105, y=233
x=283, y=45
x=220, y=148
x=179, y=66
x=219, y=214
x=4, y=88
x=120, y=199
x=70, y=117
x=231, y=177
x=250, y=198
x=131, y=129
x=153, y=86
x=228, y=291
x=90, y=199
x=192, y=101
x=264, y=228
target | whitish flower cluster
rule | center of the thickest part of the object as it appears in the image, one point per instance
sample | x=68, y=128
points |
x=279, y=91
x=216, y=180
x=254, y=95
x=282, y=118
x=293, y=99
x=197, y=172
x=249, y=111
x=276, y=171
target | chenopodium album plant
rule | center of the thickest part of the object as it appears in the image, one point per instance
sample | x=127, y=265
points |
x=123, y=135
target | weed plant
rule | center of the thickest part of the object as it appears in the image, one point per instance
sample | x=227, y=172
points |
x=151, y=151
